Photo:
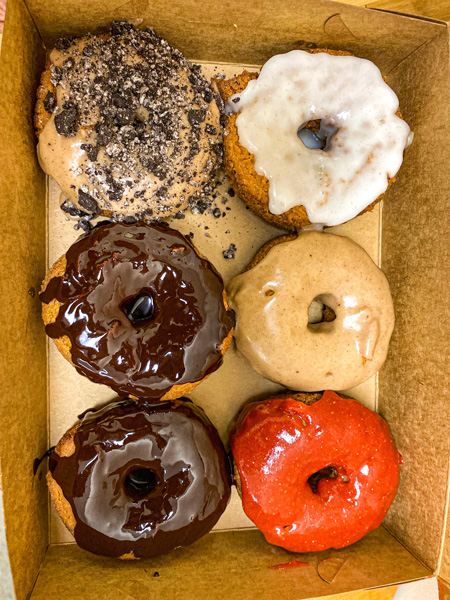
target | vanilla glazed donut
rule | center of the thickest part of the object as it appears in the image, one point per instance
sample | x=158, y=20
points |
x=135, y=307
x=313, y=312
x=351, y=134
x=127, y=126
x=134, y=480
x=314, y=471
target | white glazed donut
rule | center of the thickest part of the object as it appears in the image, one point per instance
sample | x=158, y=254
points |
x=275, y=327
x=363, y=138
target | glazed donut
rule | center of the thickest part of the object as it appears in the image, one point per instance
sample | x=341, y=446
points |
x=351, y=137
x=315, y=471
x=313, y=312
x=133, y=306
x=137, y=480
x=126, y=125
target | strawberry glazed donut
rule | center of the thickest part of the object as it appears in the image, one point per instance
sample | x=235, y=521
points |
x=314, y=471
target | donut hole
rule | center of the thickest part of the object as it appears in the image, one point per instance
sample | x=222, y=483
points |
x=325, y=473
x=140, y=307
x=139, y=483
x=320, y=311
x=317, y=134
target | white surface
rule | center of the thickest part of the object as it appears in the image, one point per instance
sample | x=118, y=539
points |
x=425, y=589
x=6, y=584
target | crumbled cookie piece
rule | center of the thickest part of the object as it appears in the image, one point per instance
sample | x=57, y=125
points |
x=230, y=251
x=49, y=102
x=66, y=120
x=87, y=202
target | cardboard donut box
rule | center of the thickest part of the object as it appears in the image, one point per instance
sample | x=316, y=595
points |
x=407, y=236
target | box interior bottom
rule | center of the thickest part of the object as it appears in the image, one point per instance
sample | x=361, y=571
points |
x=224, y=565
x=224, y=393
x=234, y=560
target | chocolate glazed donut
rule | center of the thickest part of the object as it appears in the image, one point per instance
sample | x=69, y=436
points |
x=138, y=309
x=135, y=480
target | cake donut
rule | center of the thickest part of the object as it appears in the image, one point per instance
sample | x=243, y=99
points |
x=313, y=312
x=134, y=307
x=126, y=125
x=138, y=480
x=314, y=471
x=315, y=137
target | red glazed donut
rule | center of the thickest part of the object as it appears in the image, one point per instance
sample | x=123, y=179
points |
x=316, y=471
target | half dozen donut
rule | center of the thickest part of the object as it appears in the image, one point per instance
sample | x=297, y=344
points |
x=131, y=131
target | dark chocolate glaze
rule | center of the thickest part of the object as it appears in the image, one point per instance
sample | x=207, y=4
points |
x=176, y=441
x=106, y=269
x=37, y=461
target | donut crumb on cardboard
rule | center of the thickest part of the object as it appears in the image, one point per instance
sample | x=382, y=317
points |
x=230, y=252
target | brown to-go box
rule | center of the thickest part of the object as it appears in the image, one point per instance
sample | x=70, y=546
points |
x=408, y=236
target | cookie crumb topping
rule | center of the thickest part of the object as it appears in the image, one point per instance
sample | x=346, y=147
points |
x=145, y=119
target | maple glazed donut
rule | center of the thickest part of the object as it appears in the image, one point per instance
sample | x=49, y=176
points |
x=315, y=137
x=134, y=307
x=126, y=125
x=134, y=480
x=314, y=471
x=313, y=312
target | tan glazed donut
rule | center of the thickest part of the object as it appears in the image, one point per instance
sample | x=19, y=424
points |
x=313, y=313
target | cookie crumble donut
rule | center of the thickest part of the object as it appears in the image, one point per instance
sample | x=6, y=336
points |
x=134, y=480
x=313, y=312
x=352, y=141
x=127, y=126
x=133, y=306
x=314, y=471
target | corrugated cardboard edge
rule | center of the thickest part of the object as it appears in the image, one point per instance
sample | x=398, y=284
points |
x=22, y=264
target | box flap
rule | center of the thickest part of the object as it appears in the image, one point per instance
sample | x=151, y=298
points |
x=414, y=382
x=245, y=32
x=22, y=263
